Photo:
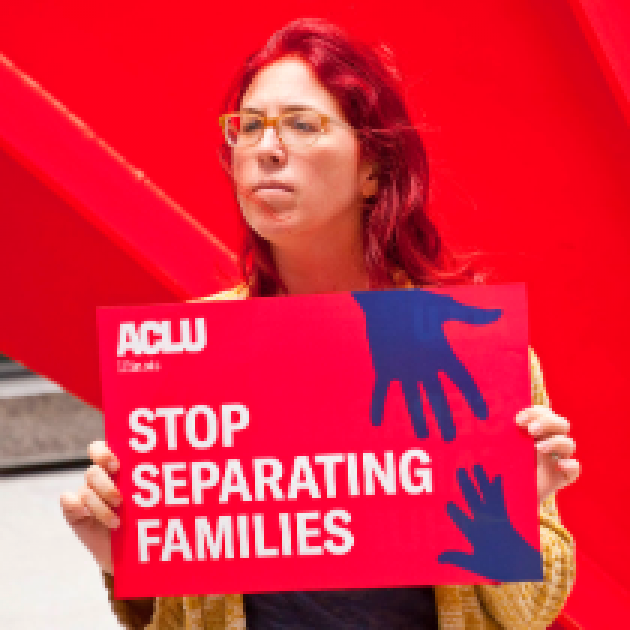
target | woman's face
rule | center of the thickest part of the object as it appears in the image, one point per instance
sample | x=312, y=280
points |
x=287, y=193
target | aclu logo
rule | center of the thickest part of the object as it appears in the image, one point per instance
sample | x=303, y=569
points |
x=156, y=337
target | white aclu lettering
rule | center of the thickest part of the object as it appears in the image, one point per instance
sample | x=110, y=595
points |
x=153, y=337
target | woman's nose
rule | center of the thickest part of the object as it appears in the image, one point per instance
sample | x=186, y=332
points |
x=270, y=148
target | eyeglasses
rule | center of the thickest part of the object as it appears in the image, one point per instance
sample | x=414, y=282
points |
x=294, y=128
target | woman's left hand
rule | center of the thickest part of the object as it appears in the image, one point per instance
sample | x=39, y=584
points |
x=556, y=466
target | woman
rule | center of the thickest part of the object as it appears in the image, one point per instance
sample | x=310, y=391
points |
x=331, y=179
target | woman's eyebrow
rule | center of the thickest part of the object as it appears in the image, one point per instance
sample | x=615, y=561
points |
x=284, y=109
x=296, y=108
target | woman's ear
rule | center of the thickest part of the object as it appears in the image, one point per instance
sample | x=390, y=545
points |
x=369, y=180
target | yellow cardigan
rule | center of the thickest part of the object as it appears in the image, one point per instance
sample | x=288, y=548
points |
x=509, y=606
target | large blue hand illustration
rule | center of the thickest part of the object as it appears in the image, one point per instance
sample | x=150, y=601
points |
x=499, y=551
x=406, y=335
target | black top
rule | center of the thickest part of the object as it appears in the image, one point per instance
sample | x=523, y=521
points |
x=361, y=609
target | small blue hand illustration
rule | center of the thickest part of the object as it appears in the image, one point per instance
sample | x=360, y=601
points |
x=406, y=335
x=499, y=551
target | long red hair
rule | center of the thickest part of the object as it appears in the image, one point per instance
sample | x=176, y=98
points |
x=400, y=241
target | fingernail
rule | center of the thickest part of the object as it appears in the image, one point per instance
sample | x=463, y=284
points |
x=113, y=466
x=534, y=428
x=85, y=512
x=116, y=501
x=115, y=522
x=521, y=417
x=545, y=449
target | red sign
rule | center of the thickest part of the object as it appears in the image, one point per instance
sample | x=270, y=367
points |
x=321, y=441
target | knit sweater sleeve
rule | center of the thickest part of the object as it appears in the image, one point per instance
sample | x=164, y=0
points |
x=133, y=614
x=534, y=605
x=191, y=612
x=150, y=613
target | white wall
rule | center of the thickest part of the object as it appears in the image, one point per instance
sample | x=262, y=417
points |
x=48, y=580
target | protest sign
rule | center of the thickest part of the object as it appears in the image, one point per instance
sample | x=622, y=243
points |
x=344, y=440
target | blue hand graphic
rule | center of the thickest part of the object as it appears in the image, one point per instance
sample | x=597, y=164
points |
x=500, y=553
x=407, y=343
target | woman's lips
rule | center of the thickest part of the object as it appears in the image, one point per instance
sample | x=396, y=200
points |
x=272, y=186
x=275, y=196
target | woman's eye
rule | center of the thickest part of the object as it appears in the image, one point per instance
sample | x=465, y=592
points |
x=249, y=125
x=303, y=124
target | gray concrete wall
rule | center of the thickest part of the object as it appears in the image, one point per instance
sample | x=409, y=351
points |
x=38, y=421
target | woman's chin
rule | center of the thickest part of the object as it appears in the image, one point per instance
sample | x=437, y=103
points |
x=274, y=225
x=264, y=216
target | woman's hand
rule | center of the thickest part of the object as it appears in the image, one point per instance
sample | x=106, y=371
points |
x=556, y=467
x=89, y=510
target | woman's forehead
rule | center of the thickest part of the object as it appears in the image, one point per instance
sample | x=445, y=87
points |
x=286, y=83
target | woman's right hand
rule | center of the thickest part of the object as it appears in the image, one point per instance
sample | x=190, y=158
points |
x=89, y=510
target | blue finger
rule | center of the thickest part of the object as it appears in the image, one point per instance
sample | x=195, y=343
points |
x=458, y=559
x=461, y=377
x=475, y=503
x=461, y=520
x=496, y=492
x=472, y=314
x=378, y=401
x=414, y=407
x=441, y=409
x=485, y=316
x=492, y=492
x=483, y=482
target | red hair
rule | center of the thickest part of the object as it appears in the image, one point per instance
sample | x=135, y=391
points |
x=399, y=238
